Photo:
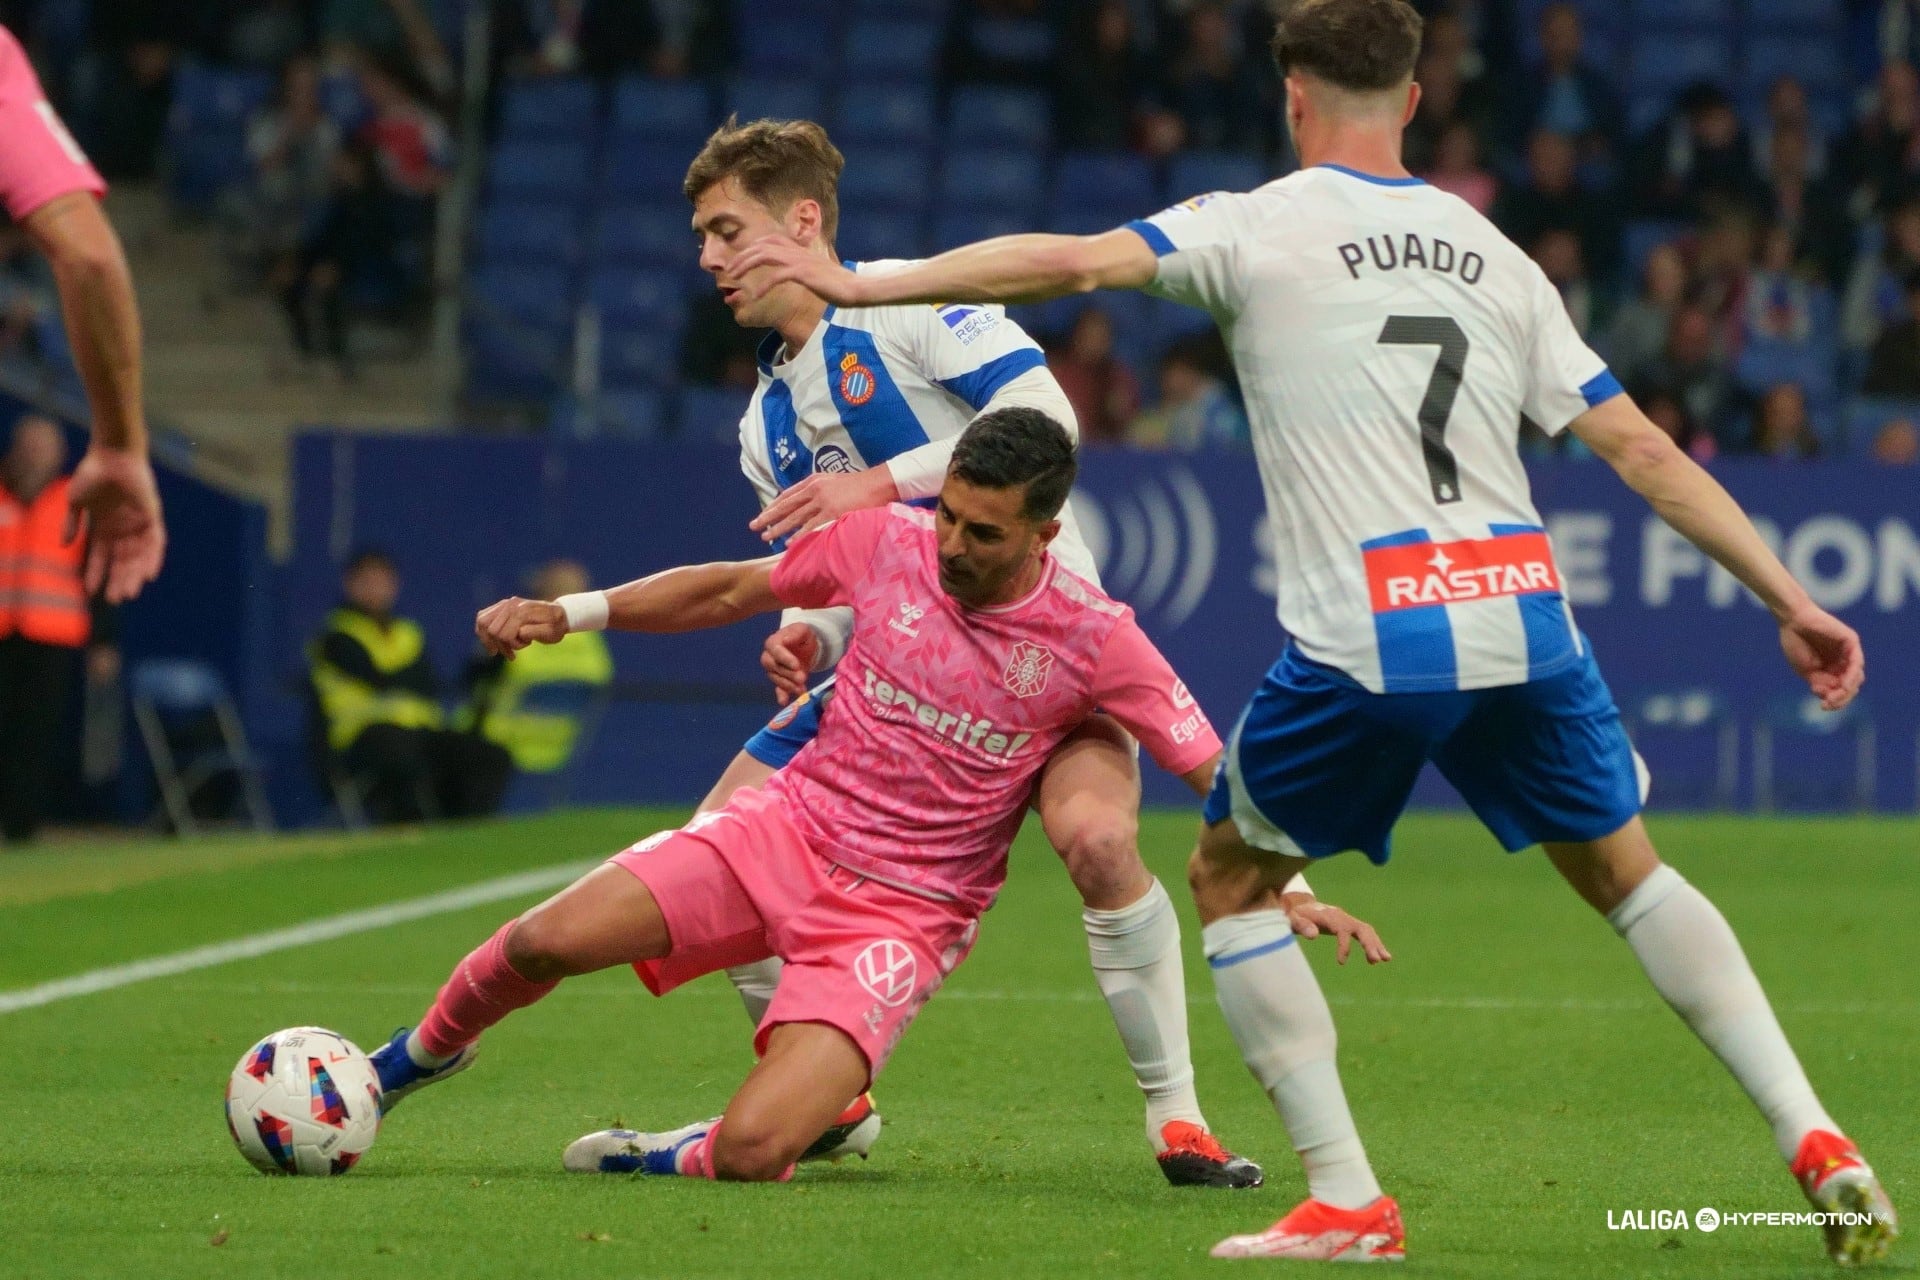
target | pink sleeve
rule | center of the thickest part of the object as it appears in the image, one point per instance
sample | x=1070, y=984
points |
x=1135, y=684
x=821, y=566
x=39, y=160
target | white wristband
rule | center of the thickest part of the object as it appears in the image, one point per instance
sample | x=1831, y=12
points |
x=586, y=611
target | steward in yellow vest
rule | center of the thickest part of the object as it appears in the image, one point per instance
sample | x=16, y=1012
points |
x=539, y=741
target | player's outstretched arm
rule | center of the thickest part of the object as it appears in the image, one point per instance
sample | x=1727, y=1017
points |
x=1824, y=650
x=1024, y=268
x=688, y=599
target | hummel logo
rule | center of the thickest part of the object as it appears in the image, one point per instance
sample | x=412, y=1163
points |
x=909, y=615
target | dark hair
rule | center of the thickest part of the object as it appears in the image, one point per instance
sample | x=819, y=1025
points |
x=1019, y=446
x=777, y=162
x=1362, y=46
x=369, y=558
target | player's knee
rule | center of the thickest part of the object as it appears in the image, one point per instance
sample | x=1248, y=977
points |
x=746, y=1150
x=537, y=948
x=1102, y=853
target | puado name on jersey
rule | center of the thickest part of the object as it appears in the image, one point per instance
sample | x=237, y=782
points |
x=1410, y=575
x=1393, y=251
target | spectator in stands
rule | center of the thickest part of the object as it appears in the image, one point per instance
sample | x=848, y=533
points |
x=1692, y=372
x=1669, y=414
x=266, y=34
x=539, y=741
x=1779, y=304
x=1457, y=169
x=1638, y=333
x=1881, y=157
x=1566, y=94
x=695, y=36
x=1214, y=90
x=24, y=293
x=409, y=138
x=1788, y=109
x=1723, y=259
x=1698, y=161
x=1893, y=369
x=398, y=32
x=1897, y=444
x=1106, y=98
x=352, y=239
x=45, y=621
x=292, y=144
x=1557, y=252
x=1446, y=99
x=1875, y=295
x=376, y=696
x=602, y=38
x=1000, y=42
x=1196, y=409
x=1782, y=427
x=1550, y=199
x=134, y=45
x=1102, y=390
x=1808, y=207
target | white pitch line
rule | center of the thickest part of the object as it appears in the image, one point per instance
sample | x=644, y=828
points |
x=324, y=929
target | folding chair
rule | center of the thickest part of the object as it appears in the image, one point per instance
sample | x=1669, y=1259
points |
x=173, y=697
x=1683, y=715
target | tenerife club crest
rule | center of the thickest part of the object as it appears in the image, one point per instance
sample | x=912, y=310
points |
x=1027, y=669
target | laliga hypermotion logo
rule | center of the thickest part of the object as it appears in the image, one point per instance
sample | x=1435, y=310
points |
x=1156, y=545
x=887, y=970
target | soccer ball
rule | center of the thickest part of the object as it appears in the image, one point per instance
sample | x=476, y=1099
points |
x=303, y=1101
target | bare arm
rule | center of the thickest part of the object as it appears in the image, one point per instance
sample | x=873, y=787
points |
x=688, y=599
x=1824, y=650
x=102, y=318
x=1024, y=268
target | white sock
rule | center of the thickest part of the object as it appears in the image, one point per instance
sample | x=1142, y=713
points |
x=755, y=983
x=1284, y=1029
x=1695, y=962
x=421, y=1058
x=1136, y=960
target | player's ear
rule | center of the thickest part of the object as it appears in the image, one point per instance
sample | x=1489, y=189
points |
x=1413, y=103
x=1047, y=532
x=803, y=222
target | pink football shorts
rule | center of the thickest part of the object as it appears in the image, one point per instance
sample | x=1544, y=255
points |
x=741, y=883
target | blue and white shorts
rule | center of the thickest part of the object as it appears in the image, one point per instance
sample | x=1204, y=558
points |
x=1318, y=764
x=797, y=724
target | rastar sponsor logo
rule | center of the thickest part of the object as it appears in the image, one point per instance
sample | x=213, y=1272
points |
x=955, y=726
x=1428, y=573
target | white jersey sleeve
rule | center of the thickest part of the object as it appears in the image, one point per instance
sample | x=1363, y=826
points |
x=833, y=627
x=1565, y=377
x=1198, y=242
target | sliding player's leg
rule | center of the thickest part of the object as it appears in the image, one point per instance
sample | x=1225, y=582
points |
x=1088, y=798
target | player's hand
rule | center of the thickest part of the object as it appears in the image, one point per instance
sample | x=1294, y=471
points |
x=822, y=497
x=775, y=260
x=513, y=624
x=113, y=498
x=1311, y=918
x=788, y=658
x=1827, y=654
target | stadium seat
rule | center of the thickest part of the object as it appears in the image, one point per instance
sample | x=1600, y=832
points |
x=890, y=177
x=521, y=296
x=711, y=414
x=883, y=49
x=987, y=115
x=1643, y=236
x=1768, y=362
x=783, y=44
x=1684, y=15
x=548, y=171
x=964, y=226
x=643, y=356
x=628, y=413
x=935, y=10
x=764, y=98
x=1116, y=182
x=1168, y=322
x=191, y=728
x=551, y=107
x=1806, y=758
x=1865, y=418
x=899, y=114
x=1818, y=65
x=210, y=97
x=662, y=111
x=1194, y=173
x=1691, y=741
x=869, y=234
x=637, y=170
x=1013, y=182
x=628, y=298
x=1661, y=66
x=650, y=234
x=511, y=362
x=521, y=231
x=1812, y=17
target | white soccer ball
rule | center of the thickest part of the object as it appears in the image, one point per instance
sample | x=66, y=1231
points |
x=303, y=1101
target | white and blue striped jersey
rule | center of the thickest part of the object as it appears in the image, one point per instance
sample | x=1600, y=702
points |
x=1389, y=343
x=895, y=386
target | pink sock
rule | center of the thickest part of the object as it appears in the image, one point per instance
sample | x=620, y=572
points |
x=482, y=990
x=696, y=1161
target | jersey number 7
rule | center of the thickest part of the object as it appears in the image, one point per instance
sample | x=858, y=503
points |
x=1445, y=333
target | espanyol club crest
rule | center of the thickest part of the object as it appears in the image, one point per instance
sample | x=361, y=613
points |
x=856, y=380
x=1028, y=669
x=887, y=970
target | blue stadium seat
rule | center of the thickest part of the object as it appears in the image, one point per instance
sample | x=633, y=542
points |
x=1813, y=17
x=1643, y=236
x=1195, y=173
x=210, y=97
x=1684, y=15
x=550, y=107
x=964, y=226
x=1805, y=758
x=986, y=115
x=976, y=177
x=509, y=363
x=511, y=231
x=765, y=98
x=1865, y=418
x=662, y=111
x=1663, y=65
x=627, y=413
x=902, y=114
x=927, y=9
x=870, y=234
x=1818, y=65
x=1168, y=322
x=878, y=49
x=886, y=177
x=783, y=44
x=651, y=234
x=521, y=296
x=206, y=130
x=642, y=356
x=630, y=298
x=1767, y=362
x=1118, y=182
x=711, y=414
x=540, y=170
x=634, y=168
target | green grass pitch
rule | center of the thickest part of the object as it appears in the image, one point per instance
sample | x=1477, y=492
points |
x=1512, y=1073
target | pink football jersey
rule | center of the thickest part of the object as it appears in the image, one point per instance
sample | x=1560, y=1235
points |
x=39, y=159
x=942, y=715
